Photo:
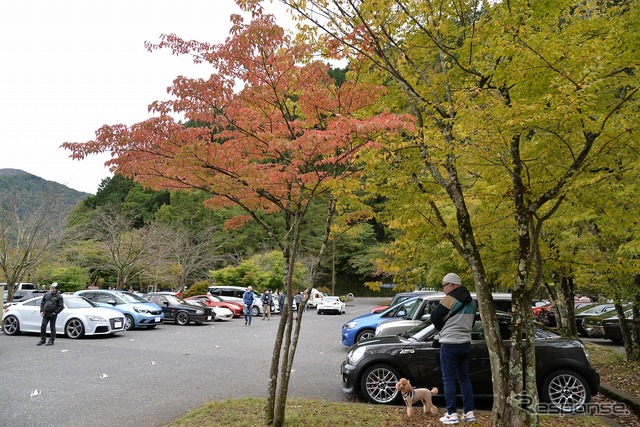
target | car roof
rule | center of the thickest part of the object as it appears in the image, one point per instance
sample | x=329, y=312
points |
x=495, y=295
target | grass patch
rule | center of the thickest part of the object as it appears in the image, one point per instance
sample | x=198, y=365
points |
x=248, y=412
x=614, y=368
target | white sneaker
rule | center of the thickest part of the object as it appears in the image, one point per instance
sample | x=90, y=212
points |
x=450, y=418
x=468, y=417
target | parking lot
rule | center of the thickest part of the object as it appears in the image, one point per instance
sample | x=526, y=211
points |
x=149, y=377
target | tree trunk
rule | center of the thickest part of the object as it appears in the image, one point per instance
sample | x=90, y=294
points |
x=565, y=311
x=287, y=336
x=471, y=254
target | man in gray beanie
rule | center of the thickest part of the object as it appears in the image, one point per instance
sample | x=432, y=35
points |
x=453, y=317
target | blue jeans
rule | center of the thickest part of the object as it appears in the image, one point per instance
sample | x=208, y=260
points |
x=454, y=363
x=247, y=315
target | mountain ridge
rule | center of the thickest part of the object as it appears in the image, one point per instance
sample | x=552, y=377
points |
x=31, y=190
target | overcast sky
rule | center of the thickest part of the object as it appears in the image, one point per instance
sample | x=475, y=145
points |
x=71, y=66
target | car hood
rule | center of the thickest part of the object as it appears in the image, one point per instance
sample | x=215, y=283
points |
x=364, y=316
x=191, y=307
x=95, y=311
x=383, y=341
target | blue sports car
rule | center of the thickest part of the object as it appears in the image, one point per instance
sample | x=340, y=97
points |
x=364, y=327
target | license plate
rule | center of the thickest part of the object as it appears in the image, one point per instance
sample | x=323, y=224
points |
x=208, y=317
x=157, y=319
x=117, y=324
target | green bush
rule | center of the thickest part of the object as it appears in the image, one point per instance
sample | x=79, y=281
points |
x=198, y=288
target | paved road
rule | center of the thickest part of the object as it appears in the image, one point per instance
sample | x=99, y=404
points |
x=154, y=376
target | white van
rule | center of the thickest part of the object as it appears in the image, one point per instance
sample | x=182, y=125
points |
x=315, y=296
x=21, y=286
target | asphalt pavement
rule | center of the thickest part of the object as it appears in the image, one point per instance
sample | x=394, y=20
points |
x=149, y=377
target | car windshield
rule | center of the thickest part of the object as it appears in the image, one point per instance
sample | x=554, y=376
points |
x=331, y=299
x=595, y=309
x=402, y=307
x=175, y=300
x=77, y=302
x=130, y=298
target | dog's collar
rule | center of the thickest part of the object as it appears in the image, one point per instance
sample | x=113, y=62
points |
x=408, y=395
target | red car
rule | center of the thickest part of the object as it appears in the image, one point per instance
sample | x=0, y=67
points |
x=216, y=301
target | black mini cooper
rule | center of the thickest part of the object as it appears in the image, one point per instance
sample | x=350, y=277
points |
x=566, y=381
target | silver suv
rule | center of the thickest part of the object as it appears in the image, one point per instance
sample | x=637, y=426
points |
x=421, y=312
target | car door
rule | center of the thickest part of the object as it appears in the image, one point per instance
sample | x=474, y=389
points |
x=430, y=374
x=162, y=302
x=30, y=315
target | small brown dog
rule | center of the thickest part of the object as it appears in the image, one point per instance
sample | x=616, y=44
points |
x=413, y=395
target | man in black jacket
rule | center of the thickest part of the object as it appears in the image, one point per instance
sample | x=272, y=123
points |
x=50, y=306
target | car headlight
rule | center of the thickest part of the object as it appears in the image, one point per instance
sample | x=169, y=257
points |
x=96, y=318
x=199, y=311
x=586, y=352
x=350, y=325
x=140, y=310
x=355, y=355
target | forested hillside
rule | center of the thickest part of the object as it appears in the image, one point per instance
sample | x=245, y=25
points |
x=29, y=191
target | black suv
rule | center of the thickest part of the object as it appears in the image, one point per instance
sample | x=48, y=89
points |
x=566, y=381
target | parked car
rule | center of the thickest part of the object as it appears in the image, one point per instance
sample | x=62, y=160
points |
x=315, y=297
x=592, y=325
x=611, y=327
x=180, y=311
x=589, y=310
x=566, y=380
x=547, y=314
x=23, y=295
x=363, y=327
x=80, y=317
x=422, y=312
x=235, y=293
x=221, y=313
x=608, y=325
x=216, y=301
x=138, y=312
x=331, y=305
x=399, y=297
x=21, y=286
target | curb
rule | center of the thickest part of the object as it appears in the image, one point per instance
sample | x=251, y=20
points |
x=621, y=396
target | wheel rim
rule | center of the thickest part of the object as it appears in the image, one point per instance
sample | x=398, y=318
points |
x=365, y=336
x=128, y=323
x=380, y=385
x=567, y=392
x=10, y=325
x=183, y=318
x=75, y=328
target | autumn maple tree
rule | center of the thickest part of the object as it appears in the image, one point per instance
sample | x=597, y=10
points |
x=268, y=131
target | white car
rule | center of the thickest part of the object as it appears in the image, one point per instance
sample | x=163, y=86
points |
x=80, y=317
x=331, y=305
x=222, y=313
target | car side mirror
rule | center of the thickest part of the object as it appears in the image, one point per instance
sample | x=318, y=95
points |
x=165, y=303
x=401, y=313
x=112, y=302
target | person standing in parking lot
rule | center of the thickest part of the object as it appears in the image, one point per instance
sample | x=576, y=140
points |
x=453, y=317
x=298, y=299
x=267, y=300
x=247, y=299
x=281, y=297
x=51, y=305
